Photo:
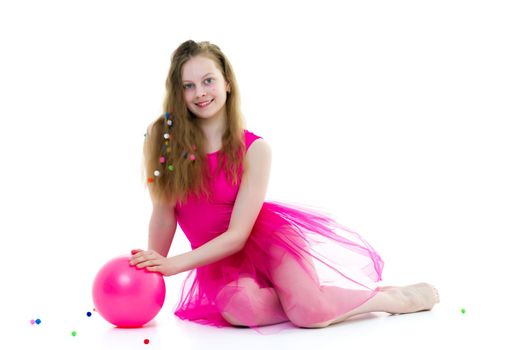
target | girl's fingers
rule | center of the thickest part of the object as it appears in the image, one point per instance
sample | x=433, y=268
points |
x=144, y=258
x=135, y=255
x=149, y=263
x=137, y=258
x=144, y=264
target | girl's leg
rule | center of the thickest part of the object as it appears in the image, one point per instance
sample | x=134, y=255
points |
x=267, y=308
x=311, y=305
x=248, y=302
x=307, y=303
x=393, y=300
x=298, y=297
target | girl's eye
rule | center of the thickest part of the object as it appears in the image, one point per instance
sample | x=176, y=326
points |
x=188, y=85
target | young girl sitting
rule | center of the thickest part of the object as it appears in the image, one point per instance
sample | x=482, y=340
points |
x=253, y=262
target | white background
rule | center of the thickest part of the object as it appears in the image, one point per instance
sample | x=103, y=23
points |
x=404, y=119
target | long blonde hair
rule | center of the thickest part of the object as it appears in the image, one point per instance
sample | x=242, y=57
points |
x=180, y=174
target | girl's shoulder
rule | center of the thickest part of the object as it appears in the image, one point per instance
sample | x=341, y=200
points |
x=250, y=137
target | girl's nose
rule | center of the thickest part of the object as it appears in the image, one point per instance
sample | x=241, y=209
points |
x=200, y=91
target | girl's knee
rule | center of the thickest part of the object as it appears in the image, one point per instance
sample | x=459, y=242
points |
x=242, y=285
x=307, y=320
x=232, y=320
x=236, y=297
x=309, y=314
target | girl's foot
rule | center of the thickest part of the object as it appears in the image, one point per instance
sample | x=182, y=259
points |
x=414, y=297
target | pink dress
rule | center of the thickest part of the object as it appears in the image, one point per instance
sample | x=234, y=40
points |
x=318, y=268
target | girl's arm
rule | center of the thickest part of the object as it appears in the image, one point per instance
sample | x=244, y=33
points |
x=162, y=226
x=248, y=203
x=163, y=221
x=216, y=249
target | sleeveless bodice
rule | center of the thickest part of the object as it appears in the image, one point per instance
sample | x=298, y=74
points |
x=202, y=219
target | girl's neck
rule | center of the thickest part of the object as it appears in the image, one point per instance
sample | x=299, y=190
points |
x=213, y=129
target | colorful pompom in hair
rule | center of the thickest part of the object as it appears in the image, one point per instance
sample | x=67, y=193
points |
x=175, y=163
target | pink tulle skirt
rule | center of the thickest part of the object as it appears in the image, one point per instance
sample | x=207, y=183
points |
x=317, y=268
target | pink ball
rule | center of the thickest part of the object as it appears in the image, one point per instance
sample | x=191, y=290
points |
x=128, y=296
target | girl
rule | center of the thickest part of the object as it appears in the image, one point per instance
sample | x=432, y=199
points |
x=253, y=262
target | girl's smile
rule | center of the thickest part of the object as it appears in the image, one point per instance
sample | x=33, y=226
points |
x=204, y=104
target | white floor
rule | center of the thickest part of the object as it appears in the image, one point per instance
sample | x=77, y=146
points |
x=402, y=118
x=443, y=327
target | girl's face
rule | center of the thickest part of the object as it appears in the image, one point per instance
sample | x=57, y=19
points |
x=203, y=82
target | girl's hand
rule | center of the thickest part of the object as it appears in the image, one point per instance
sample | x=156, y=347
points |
x=152, y=261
